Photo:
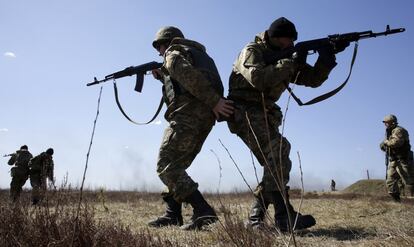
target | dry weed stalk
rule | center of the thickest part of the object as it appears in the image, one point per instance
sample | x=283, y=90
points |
x=86, y=165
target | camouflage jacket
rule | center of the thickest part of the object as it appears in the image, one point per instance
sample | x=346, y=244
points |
x=398, y=142
x=43, y=164
x=20, y=159
x=251, y=76
x=192, y=85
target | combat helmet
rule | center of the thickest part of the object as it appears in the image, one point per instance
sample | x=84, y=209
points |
x=166, y=34
x=390, y=119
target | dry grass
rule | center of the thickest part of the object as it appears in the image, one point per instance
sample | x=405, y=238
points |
x=119, y=219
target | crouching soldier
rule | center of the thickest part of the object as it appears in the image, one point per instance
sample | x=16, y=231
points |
x=193, y=93
x=20, y=172
x=41, y=168
x=255, y=86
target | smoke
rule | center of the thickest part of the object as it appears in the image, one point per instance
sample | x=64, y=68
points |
x=133, y=172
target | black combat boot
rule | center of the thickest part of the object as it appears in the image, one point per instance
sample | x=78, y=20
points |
x=203, y=213
x=258, y=212
x=396, y=197
x=282, y=217
x=172, y=214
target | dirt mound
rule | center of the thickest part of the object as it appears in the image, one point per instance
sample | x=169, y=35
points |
x=367, y=186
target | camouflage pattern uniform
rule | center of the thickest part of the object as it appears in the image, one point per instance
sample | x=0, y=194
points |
x=255, y=84
x=19, y=173
x=400, y=156
x=41, y=168
x=251, y=77
x=192, y=88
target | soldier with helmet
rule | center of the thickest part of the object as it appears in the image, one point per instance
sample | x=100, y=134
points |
x=20, y=172
x=41, y=169
x=255, y=86
x=400, y=158
x=193, y=93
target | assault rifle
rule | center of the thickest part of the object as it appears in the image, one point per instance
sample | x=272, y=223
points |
x=139, y=71
x=7, y=155
x=336, y=43
x=332, y=41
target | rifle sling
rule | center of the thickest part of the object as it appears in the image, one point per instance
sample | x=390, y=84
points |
x=126, y=116
x=329, y=94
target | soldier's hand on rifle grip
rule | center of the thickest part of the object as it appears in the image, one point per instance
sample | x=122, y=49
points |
x=339, y=46
x=299, y=57
x=157, y=74
x=327, y=56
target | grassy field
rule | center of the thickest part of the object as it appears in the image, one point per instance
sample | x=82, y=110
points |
x=119, y=219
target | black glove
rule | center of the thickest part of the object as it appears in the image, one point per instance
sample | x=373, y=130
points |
x=327, y=56
x=340, y=45
x=299, y=57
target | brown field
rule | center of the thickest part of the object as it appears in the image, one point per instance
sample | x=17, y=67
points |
x=119, y=219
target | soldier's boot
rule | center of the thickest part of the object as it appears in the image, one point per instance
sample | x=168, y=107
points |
x=258, y=212
x=396, y=197
x=284, y=220
x=172, y=214
x=203, y=213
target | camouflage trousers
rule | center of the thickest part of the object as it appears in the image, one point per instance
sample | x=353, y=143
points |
x=181, y=143
x=39, y=186
x=400, y=170
x=19, y=178
x=266, y=143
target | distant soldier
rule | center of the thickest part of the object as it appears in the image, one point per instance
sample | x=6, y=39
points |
x=400, y=158
x=41, y=168
x=20, y=172
x=193, y=93
x=333, y=185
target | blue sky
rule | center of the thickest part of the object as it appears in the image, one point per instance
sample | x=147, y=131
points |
x=51, y=49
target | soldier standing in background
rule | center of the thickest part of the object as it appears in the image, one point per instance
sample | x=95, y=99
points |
x=252, y=78
x=193, y=94
x=333, y=185
x=400, y=158
x=20, y=172
x=41, y=168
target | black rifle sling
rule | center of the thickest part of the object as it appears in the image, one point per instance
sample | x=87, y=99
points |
x=126, y=116
x=329, y=94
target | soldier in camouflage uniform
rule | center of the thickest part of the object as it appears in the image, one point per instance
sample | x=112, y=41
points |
x=20, y=172
x=256, y=119
x=193, y=94
x=41, y=168
x=400, y=158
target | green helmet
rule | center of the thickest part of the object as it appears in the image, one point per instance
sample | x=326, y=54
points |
x=390, y=119
x=166, y=34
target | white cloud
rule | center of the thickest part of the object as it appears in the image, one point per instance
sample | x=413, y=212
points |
x=4, y=130
x=9, y=54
